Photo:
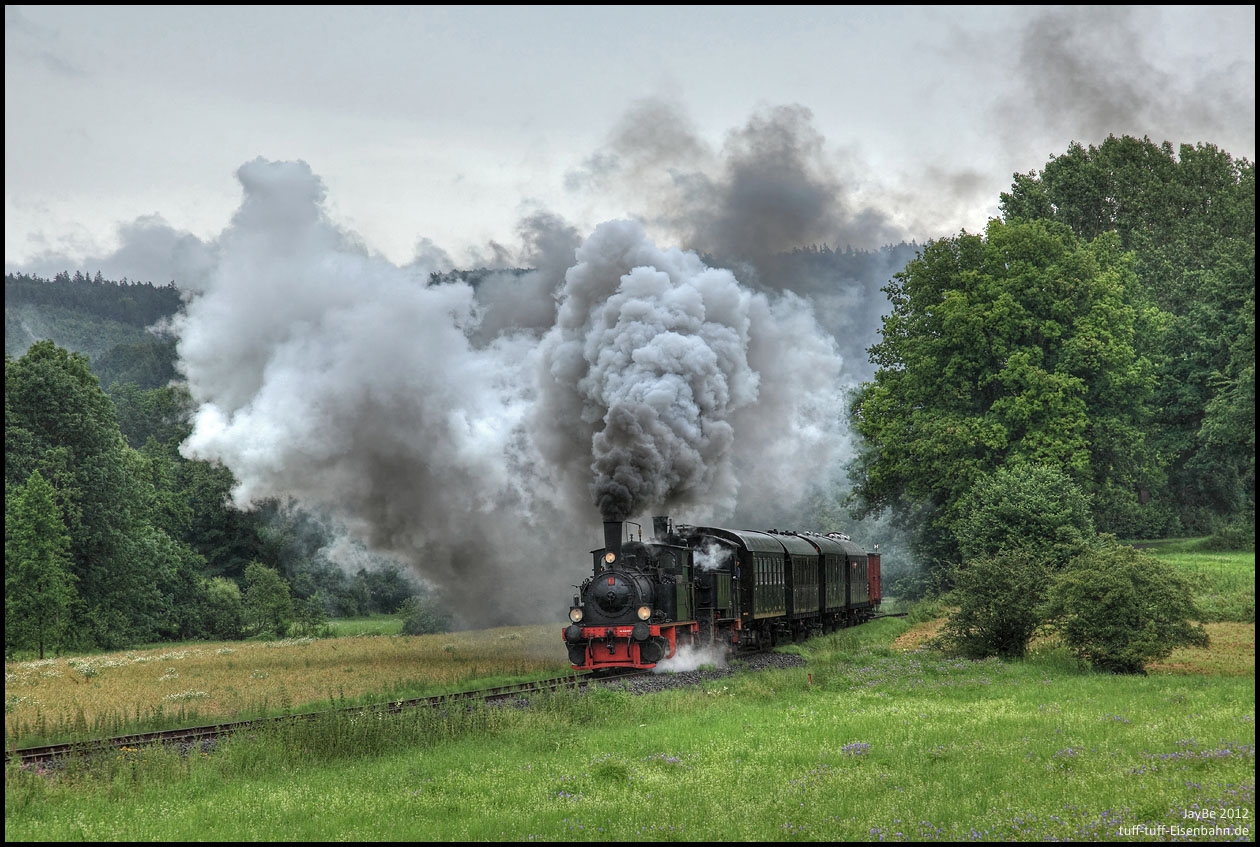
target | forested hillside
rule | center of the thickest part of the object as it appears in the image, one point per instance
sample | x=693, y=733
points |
x=91, y=316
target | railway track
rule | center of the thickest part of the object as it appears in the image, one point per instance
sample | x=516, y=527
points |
x=205, y=737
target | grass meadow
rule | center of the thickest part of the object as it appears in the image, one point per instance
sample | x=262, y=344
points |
x=73, y=698
x=875, y=738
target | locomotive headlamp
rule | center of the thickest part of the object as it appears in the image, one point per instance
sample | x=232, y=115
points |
x=645, y=612
x=610, y=557
x=575, y=615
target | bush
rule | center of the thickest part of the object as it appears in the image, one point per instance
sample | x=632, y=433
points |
x=998, y=598
x=311, y=618
x=423, y=616
x=1018, y=526
x=267, y=606
x=1118, y=608
x=1238, y=535
x=1033, y=506
x=222, y=608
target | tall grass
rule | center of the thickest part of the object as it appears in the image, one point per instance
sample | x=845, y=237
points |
x=66, y=699
x=1224, y=583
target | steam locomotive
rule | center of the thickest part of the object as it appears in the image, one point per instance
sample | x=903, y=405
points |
x=700, y=586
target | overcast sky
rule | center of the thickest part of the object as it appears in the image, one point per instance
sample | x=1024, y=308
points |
x=446, y=126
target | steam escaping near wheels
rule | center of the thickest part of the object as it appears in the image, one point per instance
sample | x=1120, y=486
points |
x=693, y=658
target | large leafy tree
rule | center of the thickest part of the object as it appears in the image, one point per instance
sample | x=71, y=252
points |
x=38, y=585
x=161, y=414
x=66, y=429
x=227, y=537
x=1016, y=347
x=1189, y=217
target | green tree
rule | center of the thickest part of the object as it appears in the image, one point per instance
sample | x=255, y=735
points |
x=183, y=589
x=122, y=560
x=387, y=585
x=52, y=395
x=227, y=537
x=1025, y=505
x=267, y=607
x=222, y=608
x=171, y=511
x=1013, y=348
x=162, y=414
x=1189, y=218
x=424, y=615
x=1118, y=609
x=310, y=616
x=21, y=450
x=38, y=584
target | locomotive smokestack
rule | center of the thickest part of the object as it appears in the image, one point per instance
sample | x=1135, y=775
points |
x=660, y=526
x=612, y=537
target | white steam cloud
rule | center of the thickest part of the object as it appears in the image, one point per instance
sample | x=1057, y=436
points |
x=482, y=451
x=712, y=556
x=668, y=384
x=692, y=659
